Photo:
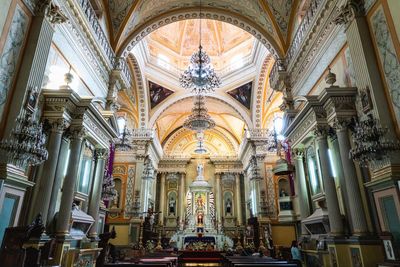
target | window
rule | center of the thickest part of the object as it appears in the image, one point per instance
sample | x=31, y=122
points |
x=121, y=125
x=85, y=171
x=313, y=171
x=163, y=61
x=278, y=127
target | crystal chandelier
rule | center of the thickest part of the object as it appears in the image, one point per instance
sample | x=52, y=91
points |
x=200, y=149
x=148, y=171
x=108, y=191
x=254, y=169
x=200, y=76
x=199, y=120
x=26, y=144
x=369, y=141
x=122, y=143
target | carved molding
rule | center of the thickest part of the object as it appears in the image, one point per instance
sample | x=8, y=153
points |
x=349, y=11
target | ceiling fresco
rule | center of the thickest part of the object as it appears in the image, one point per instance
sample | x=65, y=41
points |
x=177, y=41
x=272, y=17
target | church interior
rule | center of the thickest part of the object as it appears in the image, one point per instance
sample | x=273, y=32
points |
x=200, y=133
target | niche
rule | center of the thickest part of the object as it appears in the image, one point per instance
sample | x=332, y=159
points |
x=172, y=203
x=228, y=207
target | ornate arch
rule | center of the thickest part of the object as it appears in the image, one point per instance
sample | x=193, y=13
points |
x=143, y=113
x=262, y=79
x=165, y=18
x=230, y=102
x=188, y=135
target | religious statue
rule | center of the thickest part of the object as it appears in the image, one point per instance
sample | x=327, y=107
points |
x=200, y=168
x=171, y=206
x=228, y=205
x=200, y=203
x=200, y=218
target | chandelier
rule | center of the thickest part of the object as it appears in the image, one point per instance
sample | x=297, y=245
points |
x=199, y=120
x=200, y=76
x=148, y=171
x=26, y=145
x=254, y=169
x=369, y=141
x=200, y=149
x=108, y=191
x=122, y=143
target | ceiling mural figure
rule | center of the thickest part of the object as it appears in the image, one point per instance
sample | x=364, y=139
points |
x=242, y=94
x=158, y=93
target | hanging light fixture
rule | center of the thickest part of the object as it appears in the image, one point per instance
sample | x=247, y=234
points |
x=122, y=143
x=199, y=120
x=27, y=142
x=200, y=76
x=200, y=149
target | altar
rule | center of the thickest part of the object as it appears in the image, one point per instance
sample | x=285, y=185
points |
x=199, y=229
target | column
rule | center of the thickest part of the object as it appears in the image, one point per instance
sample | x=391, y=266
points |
x=61, y=167
x=182, y=197
x=162, y=199
x=218, y=194
x=335, y=219
x=301, y=189
x=238, y=199
x=68, y=188
x=42, y=201
x=365, y=63
x=33, y=63
x=95, y=196
x=357, y=216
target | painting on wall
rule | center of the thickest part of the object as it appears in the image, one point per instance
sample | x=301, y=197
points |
x=158, y=94
x=332, y=256
x=355, y=257
x=242, y=94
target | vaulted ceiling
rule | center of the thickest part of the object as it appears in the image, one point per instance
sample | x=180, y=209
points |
x=273, y=19
x=149, y=33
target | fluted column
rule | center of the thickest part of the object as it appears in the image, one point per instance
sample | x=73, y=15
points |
x=358, y=219
x=218, y=194
x=335, y=219
x=182, y=197
x=41, y=204
x=238, y=200
x=33, y=64
x=162, y=199
x=59, y=175
x=301, y=187
x=95, y=196
x=68, y=188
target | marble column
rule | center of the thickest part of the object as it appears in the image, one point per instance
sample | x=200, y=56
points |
x=68, y=188
x=42, y=202
x=182, y=198
x=61, y=167
x=358, y=219
x=162, y=199
x=335, y=218
x=238, y=199
x=218, y=195
x=95, y=196
x=33, y=65
x=301, y=189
